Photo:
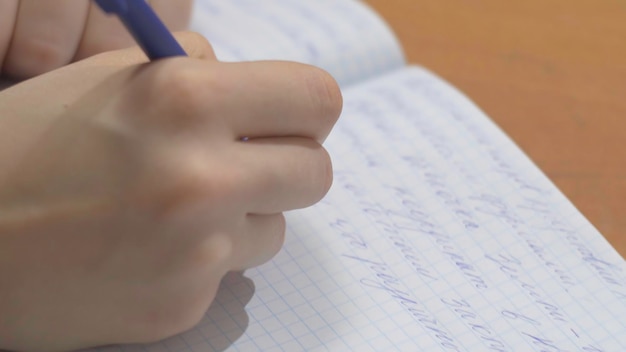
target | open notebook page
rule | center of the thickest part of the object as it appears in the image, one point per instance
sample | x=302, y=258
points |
x=439, y=234
x=342, y=36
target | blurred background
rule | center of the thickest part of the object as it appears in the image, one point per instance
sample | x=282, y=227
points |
x=551, y=73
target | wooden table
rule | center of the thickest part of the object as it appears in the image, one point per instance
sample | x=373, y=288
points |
x=552, y=74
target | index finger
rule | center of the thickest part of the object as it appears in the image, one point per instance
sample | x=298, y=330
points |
x=45, y=36
x=266, y=99
x=230, y=101
x=8, y=16
x=284, y=99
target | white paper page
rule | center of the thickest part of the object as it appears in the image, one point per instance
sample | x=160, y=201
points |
x=438, y=235
x=342, y=36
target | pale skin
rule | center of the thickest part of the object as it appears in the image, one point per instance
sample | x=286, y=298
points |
x=127, y=190
x=37, y=36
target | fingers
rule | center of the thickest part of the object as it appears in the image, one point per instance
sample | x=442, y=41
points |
x=284, y=174
x=282, y=166
x=45, y=36
x=259, y=239
x=104, y=33
x=175, y=14
x=194, y=44
x=8, y=13
x=227, y=242
x=269, y=99
x=287, y=99
x=251, y=99
x=39, y=36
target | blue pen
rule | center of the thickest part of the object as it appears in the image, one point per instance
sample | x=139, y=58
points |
x=145, y=26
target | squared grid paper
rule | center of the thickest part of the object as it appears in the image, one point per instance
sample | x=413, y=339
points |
x=385, y=262
x=354, y=265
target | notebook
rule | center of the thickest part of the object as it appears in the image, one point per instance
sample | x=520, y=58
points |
x=438, y=234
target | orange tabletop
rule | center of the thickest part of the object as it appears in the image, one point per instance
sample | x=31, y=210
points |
x=552, y=74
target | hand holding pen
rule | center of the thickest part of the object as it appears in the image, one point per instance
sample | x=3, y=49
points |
x=126, y=193
x=38, y=36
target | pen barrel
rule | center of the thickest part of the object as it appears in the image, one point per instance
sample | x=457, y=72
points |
x=148, y=30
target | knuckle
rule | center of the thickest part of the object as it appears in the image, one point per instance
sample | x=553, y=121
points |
x=221, y=186
x=173, y=96
x=216, y=251
x=187, y=180
x=178, y=90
